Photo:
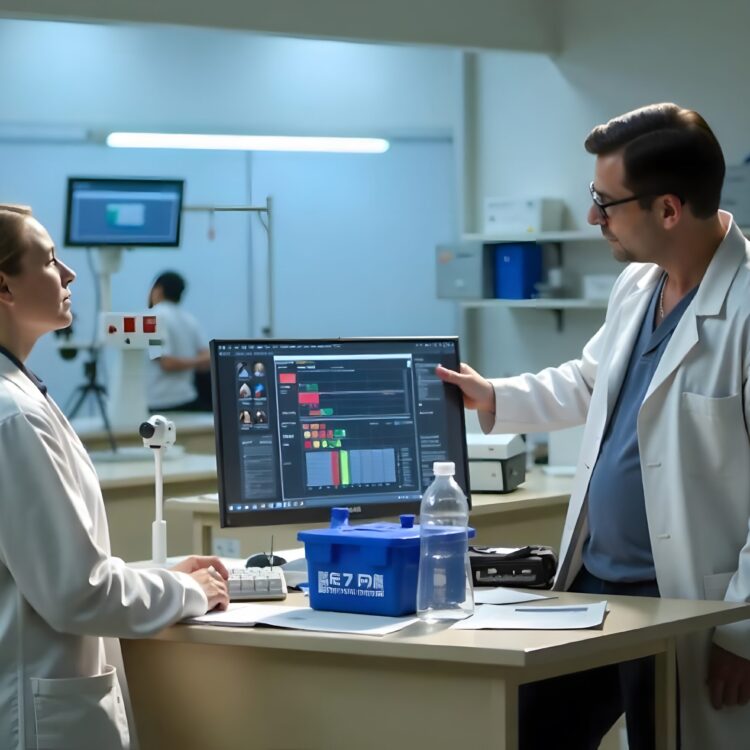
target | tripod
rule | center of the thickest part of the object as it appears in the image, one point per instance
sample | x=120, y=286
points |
x=91, y=386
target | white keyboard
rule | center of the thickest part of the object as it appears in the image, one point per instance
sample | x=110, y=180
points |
x=248, y=584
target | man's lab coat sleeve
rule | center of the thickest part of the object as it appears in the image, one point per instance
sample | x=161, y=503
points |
x=735, y=637
x=555, y=398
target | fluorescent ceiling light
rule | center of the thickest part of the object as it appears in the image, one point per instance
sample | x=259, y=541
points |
x=247, y=142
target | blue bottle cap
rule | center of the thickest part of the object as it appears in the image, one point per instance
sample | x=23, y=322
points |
x=407, y=520
x=339, y=517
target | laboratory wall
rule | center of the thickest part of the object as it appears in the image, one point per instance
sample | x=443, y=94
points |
x=354, y=240
x=535, y=112
x=140, y=77
x=354, y=235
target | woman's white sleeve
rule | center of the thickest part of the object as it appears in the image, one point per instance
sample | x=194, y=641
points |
x=48, y=543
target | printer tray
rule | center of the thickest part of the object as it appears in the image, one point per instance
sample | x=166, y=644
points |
x=527, y=567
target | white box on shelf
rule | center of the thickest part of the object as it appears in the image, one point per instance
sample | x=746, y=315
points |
x=597, y=285
x=522, y=215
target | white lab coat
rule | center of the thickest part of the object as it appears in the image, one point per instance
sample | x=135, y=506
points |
x=695, y=455
x=63, y=600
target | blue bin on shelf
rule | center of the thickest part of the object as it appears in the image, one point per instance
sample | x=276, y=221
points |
x=518, y=268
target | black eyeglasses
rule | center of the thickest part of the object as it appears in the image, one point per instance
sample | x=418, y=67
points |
x=603, y=206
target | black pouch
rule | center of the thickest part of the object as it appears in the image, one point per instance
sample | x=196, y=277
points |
x=526, y=567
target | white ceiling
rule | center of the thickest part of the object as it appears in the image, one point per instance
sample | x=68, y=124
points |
x=531, y=25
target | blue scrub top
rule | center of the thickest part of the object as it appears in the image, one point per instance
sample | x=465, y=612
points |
x=619, y=547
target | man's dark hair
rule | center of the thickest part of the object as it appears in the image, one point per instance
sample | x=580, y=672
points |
x=172, y=285
x=666, y=149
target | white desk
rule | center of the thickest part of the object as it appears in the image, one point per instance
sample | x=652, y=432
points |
x=200, y=687
x=532, y=514
x=195, y=432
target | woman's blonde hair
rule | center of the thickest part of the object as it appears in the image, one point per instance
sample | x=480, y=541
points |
x=12, y=223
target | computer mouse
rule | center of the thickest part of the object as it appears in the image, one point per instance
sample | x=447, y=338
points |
x=262, y=560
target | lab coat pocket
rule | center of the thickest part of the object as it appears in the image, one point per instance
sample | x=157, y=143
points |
x=711, y=432
x=715, y=586
x=85, y=713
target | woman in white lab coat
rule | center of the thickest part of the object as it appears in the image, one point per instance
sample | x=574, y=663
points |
x=64, y=600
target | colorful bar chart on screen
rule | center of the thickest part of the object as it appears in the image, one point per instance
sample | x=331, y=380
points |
x=336, y=468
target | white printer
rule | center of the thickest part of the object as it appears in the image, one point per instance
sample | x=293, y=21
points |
x=497, y=463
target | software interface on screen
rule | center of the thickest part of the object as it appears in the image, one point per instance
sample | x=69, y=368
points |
x=305, y=426
x=123, y=212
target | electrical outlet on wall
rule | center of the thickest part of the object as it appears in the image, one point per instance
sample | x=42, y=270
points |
x=226, y=547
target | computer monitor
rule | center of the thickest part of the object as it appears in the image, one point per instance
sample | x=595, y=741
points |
x=123, y=212
x=303, y=426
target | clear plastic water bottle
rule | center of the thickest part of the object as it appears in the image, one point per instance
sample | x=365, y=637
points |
x=444, y=590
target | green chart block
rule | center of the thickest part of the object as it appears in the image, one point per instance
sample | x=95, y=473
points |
x=344, y=459
x=326, y=412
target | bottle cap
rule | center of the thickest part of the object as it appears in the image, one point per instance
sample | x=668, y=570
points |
x=444, y=468
x=339, y=517
x=407, y=520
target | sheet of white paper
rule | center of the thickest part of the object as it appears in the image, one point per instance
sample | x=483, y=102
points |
x=238, y=615
x=535, y=617
x=301, y=618
x=503, y=595
x=304, y=618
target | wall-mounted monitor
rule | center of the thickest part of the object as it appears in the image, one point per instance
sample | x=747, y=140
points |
x=303, y=425
x=123, y=212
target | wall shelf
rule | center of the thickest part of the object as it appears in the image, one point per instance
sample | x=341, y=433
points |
x=557, y=306
x=565, y=235
x=540, y=303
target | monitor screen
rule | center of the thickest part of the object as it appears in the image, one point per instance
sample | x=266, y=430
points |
x=123, y=212
x=303, y=426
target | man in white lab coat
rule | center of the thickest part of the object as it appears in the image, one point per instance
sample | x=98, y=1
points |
x=661, y=499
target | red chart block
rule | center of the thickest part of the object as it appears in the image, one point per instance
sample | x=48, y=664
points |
x=335, y=468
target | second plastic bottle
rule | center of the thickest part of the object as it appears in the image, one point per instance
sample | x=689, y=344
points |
x=444, y=590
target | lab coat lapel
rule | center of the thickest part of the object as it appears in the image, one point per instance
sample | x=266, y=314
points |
x=10, y=371
x=708, y=301
x=631, y=314
x=72, y=435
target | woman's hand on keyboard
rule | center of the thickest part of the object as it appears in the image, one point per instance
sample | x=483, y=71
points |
x=211, y=575
x=198, y=562
x=214, y=587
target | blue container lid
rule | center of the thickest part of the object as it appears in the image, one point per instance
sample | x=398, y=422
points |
x=383, y=533
x=365, y=535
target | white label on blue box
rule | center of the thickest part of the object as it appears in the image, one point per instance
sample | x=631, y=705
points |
x=350, y=584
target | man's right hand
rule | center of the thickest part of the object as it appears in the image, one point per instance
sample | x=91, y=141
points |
x=478, y=391
x=214, y=587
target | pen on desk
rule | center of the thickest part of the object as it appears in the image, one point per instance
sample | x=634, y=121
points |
x=550, y=609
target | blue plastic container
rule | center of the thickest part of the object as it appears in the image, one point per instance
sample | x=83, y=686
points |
x=518, y=267
x=369, y=569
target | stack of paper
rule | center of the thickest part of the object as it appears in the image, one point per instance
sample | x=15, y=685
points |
x=535, y=617
x=302, y=618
